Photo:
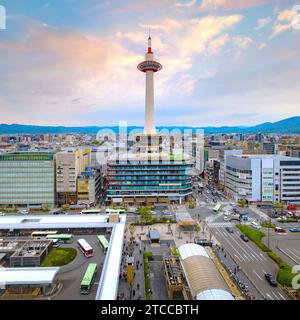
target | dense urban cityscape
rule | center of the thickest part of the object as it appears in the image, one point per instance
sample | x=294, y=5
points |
x=150, y=213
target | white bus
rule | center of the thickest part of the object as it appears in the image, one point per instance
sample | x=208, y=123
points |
x=85, y=248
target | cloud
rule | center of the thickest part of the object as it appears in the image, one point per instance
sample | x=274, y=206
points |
x=261, y=46
x=242, y=42
x=286, y=15
x=166, y=25
x=56, y=69
x=207, y=5
x=186, y=4
x=283, y=22
x=261, y=23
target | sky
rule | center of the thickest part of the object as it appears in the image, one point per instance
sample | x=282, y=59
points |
x=74, y=62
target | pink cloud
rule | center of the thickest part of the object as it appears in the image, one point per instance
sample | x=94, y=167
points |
x=231, y=4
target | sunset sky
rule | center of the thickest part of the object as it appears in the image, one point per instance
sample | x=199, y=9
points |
x=73, y=62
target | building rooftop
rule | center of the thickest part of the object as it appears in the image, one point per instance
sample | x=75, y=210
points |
x=265, y=156
x=56, y=221
x=27, y=276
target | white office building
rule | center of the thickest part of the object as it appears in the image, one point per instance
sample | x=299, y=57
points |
x=263, y=178
x=223, y=156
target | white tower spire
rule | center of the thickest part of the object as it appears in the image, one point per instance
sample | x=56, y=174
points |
x=149, y=66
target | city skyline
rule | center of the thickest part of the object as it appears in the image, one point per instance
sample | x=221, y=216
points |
x=85, y=55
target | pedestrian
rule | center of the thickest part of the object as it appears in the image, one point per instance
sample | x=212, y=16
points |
x=138, y=286
x=133, y=292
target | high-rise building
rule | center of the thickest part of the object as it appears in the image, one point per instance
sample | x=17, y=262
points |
x=69, y=164
x=267, y=178
x=148, y=175
x=27, y=178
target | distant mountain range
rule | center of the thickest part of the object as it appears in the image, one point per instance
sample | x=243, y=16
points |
x=286, y=126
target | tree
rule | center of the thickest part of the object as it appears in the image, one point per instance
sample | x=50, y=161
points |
x=242, y=202
x=132, y=228
x=145, y=214
x=197, y=229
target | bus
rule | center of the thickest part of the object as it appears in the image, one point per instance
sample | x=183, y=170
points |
x=217, y=207
x=66, y=238
x=88, y=278
x=91, y=211
x=116, y=211
x=42, y=234
x=85, y=248
x=103, y=243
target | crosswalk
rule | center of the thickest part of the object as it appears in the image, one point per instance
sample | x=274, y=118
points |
x=220, y=224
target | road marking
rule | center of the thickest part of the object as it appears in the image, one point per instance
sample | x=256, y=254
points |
x=269, y=296
x=234, y=249
x=243, y=249
x=281, y=296
x=292, y=253
x=296, y=250
x=274, y=294
x=257, y=274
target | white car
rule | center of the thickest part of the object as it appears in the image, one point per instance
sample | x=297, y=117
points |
x=2, y=214
x=226, y=218
x=255, y=225
x=24, y=211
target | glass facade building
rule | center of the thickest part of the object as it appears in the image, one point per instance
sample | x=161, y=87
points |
x=147, y=181
x=27, y=178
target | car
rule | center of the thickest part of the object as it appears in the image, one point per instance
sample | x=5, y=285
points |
x=279, y=230
x=294, y=230
x=244, y=238
x=24, y=211
x=255, y=225
x=226, y=218
x=271, y=279
x=230, y=230
x=2, y=214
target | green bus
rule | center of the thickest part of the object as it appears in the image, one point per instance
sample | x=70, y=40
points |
x=217, y=207
x=103, y=243
x=88, y=278
x=66, y=238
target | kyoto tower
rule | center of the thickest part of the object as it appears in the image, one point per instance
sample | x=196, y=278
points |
x=149, y=66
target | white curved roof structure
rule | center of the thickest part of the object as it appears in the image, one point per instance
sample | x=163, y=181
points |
x=203, y=277
x=214, y=294
x=191, y=249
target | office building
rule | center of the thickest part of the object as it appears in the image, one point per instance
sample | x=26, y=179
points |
x=69, y=164
x=223, y=154
x=89, y=185
x=266, y=178
x=270, y=148
x=27, y=178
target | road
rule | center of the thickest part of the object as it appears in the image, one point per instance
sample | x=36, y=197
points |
x=250, y=258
